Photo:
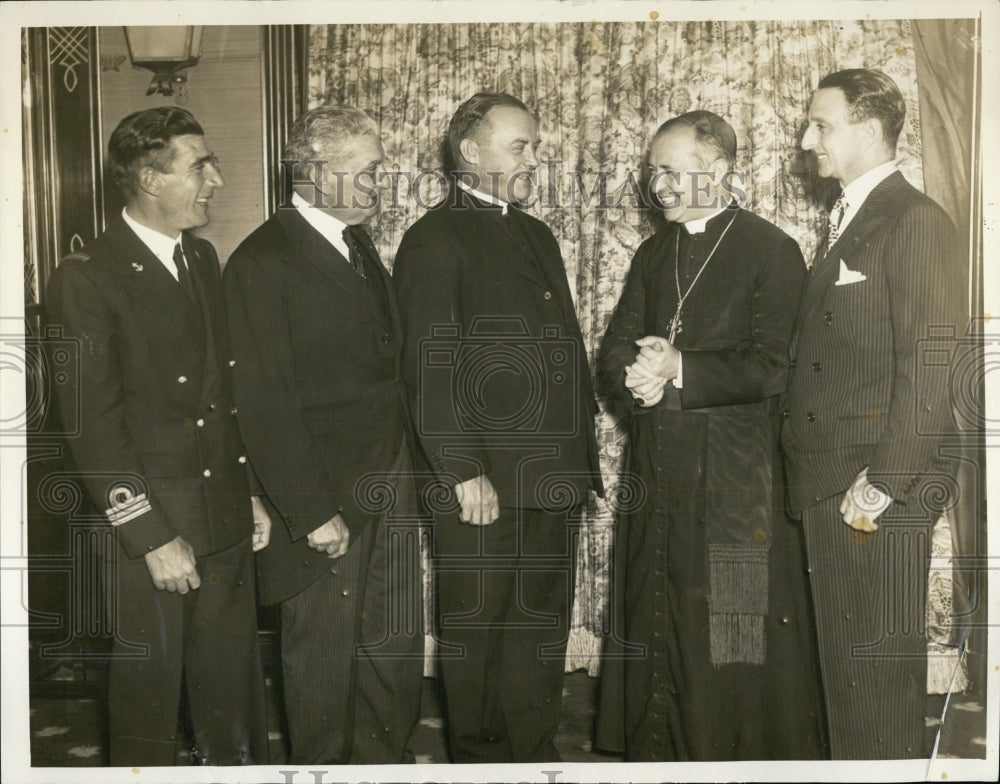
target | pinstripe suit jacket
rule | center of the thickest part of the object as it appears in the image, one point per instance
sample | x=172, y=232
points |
x=867, y=387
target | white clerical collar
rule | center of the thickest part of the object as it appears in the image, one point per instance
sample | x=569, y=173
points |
x=160, y=245
x=331, y=228
x=488, y=198
x=697, y=226
x=857, y=191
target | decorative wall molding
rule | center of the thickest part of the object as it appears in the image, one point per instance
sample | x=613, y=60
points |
x=284, y=82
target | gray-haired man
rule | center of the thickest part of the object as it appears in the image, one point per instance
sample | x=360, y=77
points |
x=315, y=332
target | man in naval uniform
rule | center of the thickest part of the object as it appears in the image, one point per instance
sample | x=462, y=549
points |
x=159, y=452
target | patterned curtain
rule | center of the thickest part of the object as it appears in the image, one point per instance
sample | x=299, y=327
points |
x=600, y=89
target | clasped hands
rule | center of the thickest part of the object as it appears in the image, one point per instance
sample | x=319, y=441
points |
x=656, y=363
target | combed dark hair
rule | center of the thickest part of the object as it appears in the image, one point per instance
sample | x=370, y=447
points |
x=468, y=119
x=713, y=135
x=323, y=134
x=143, y=139
x=870, y=95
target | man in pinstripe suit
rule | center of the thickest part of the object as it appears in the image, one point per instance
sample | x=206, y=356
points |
x=864, y=418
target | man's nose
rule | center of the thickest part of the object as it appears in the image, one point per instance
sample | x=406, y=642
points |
x=215, y=177
x=809, y=138
x=531, y=158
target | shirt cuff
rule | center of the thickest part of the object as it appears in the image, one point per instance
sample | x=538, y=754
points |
x=679, y=381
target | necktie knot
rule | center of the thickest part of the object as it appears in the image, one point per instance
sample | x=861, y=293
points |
x=836, y=218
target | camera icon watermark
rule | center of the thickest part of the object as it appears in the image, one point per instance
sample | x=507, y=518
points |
x=960, y=364
x=498, y=379
x=48, y=367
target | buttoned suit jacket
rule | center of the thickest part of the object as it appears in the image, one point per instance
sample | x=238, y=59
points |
x=316, y=382
x=865, y=388
x=491, y=335
x=155, y=416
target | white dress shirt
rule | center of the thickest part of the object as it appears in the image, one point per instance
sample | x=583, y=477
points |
x=160, y=245
x=331, y=228
x=857, y=191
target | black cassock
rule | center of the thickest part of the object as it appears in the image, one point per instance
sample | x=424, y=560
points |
x=713, y=655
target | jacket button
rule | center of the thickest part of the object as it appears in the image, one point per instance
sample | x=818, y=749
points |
x=786, y=413
x=200, y=423
x=242, y=458
x=817, y=366
x=548, y=295
x=828, y=316
x=233, y=411
x=793, y=364
x=206, y=473
x=387, y=338
x=232, y=363
x=810, y=416
x=182, y=379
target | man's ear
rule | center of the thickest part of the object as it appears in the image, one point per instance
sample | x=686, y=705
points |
x=872, y=132
x=150, y=180
x=469, y=149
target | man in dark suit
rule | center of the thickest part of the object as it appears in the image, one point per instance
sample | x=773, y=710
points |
x=159, y=450
x=711, y=593
x=865, y=416
x=316, y=340
x=499, y=380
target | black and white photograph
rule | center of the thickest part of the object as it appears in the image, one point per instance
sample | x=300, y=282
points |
x=538, y=391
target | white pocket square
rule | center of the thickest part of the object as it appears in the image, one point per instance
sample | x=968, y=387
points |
x=848, y=276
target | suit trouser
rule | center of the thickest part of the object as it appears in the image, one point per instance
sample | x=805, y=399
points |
x=504, y=596
x=869, y=592
x=207, y=636
x=352, y=650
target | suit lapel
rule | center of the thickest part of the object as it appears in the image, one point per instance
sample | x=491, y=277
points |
x=826, y=267
x=315, y=249
x=149, y=282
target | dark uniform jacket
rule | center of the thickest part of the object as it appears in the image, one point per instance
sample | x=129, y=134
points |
x=158, y=443
x=317, y=384
x=494, y=360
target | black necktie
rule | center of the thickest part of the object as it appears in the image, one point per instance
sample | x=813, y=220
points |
x=354, y=245
x=182, y=272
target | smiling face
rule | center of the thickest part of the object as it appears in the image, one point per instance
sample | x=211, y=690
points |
x=184, y=190
x=681, y=183
x=503, y=153
x=842, y=148
x=350, y=184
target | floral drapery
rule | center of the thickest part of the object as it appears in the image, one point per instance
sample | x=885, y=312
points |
x=600, y=89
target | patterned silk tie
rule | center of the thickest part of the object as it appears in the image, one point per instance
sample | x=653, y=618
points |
x=836, y=216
